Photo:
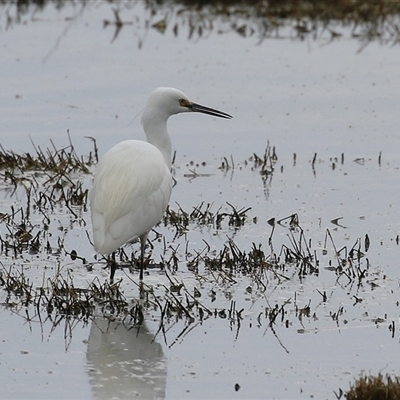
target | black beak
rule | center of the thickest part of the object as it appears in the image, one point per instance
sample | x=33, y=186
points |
x=210, y=111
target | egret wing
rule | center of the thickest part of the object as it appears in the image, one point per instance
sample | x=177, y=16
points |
x=130, y=193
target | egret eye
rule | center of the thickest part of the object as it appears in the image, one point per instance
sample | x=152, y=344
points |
x=183, y=103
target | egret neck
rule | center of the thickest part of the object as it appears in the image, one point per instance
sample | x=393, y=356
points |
x=154, y=123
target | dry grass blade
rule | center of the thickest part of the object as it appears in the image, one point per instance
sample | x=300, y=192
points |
x=202, y=215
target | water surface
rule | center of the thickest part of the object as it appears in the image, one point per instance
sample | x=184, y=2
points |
x=310, y=99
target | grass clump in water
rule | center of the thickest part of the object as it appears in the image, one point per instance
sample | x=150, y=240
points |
x=374, y=388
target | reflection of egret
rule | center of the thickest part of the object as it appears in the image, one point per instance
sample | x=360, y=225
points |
x=132, y=186
x=124, y=363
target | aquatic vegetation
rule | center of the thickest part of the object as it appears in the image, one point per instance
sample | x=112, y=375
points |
x=373, y=387
x=368, y=21
x=194, y=282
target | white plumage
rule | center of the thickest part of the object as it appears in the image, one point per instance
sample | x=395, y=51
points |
x=116, y=218
x=133, y=182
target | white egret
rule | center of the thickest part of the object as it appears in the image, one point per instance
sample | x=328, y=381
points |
x=133, y=182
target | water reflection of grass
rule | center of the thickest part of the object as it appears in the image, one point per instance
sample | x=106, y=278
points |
x=197, y=283
x=53, y=179
x=367, y=20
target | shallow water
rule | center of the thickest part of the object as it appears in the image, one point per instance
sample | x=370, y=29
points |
x=304, y=97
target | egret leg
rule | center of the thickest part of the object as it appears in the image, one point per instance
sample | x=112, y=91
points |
x=113, y=267
x=143, y=240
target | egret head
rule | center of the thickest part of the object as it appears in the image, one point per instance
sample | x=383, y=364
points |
x=173, y=101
